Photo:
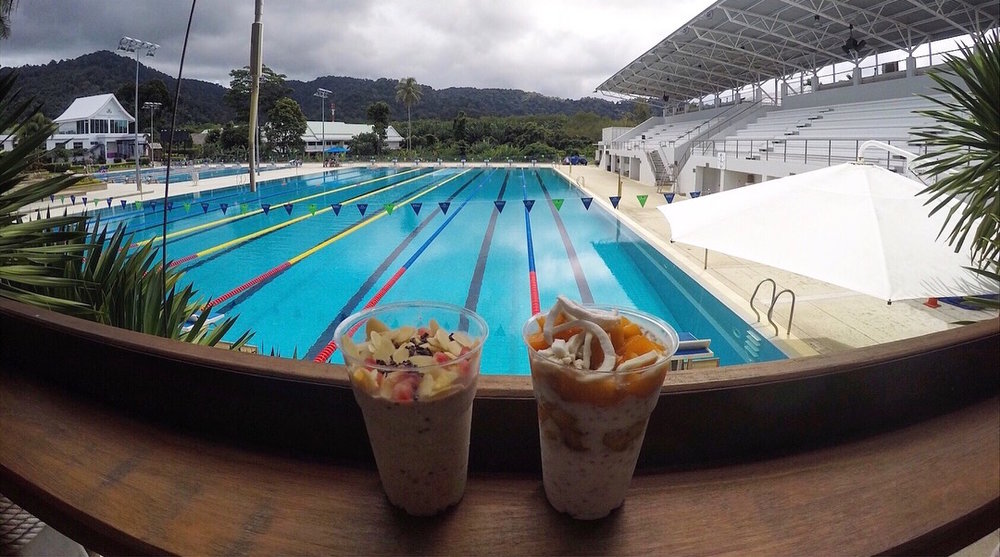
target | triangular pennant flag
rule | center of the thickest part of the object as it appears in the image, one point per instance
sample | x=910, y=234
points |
x=52, y=198
x=615, y=200
x=72, y=199
x=95, y=203
x=362, y=207
x=312, y=208
x=138, y=205
x=586, y=202
x=48, y=214
x=38, y=214
x=84, y=200
x=244, y=208
x=223, y=206
x=444, y=206
x=528, y=204
x=557, y=203
x=109, y=202
x=187, y=207
x=152, y=205
x=389, y=208
x=266, y=207
x=336, y=208
x=500, y=204
x=669, y=197
x=170, y=205
x=642, y=199
x=123, y=202
x=288, y=208
x=204, y=207
x=694, y=194
x=416, y=205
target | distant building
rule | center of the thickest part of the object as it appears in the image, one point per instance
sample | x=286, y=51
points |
x=98, y=125
x=340, y=134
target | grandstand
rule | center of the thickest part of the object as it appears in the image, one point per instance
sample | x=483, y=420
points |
x=767, y=88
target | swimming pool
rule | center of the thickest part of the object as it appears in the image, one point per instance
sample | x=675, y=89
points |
x=297, y=256
x=179, y=174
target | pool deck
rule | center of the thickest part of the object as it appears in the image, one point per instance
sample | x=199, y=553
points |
x=827, y=318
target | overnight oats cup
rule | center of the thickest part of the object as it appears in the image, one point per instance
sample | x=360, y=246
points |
x=596, y=373
x=414, y=367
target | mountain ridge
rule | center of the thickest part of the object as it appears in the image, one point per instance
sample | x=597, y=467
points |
x=202, y=101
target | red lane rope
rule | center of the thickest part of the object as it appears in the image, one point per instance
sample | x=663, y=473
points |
x=533, y=286
x=331, y=346
x=254, y=282
x=182, y=260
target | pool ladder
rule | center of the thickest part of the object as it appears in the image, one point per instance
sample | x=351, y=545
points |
x=774, y=298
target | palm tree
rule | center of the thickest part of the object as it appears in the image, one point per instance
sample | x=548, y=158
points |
x=962, y=149
x=6, y=6
x=408, y=92
x=57, y=264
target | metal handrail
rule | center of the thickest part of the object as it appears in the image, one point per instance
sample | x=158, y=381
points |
x=774, y=298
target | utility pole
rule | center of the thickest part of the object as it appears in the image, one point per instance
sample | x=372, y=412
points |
x=256, y=35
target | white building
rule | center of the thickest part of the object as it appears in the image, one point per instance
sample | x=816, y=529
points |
x=100, y=126
x=320, y=135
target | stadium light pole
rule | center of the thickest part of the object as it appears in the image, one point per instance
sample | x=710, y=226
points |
x=151, y=105
x=128, y=44
x=323, y=94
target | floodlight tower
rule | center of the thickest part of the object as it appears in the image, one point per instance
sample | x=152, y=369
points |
x=128, y=44
x=323, y=94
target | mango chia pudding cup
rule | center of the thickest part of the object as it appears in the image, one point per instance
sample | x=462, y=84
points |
x=414, y=368
x=596, y=373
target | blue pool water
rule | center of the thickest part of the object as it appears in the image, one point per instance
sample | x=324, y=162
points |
x=454, y=235
x=177, y=174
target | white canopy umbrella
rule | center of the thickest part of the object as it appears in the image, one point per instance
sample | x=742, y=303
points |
x=853, y=225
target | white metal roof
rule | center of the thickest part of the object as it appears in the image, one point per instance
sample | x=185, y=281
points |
x=342, y=131
x=96, y=106
x=738, y=42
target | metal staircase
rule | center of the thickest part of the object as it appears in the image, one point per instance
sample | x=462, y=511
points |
x=664, y=176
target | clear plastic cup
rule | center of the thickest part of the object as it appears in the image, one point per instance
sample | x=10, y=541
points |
x=417, y=410
x=591, y=424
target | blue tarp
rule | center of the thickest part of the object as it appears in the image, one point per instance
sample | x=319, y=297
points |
x=337, y=149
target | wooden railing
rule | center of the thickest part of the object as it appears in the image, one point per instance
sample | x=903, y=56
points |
x=137, y=444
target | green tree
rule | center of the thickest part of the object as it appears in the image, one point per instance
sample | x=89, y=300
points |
x=639, y=114
x=286, y=124
x=378, y=116
x=33, y=125
x=458, y=133
x=962, y=149
x=408, y=92
x=234, y=138
x=364, y=145
x=272, y=88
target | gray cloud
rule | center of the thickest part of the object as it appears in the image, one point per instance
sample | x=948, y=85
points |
x=558, y=48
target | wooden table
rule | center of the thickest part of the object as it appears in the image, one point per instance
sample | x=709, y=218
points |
x=119, y=484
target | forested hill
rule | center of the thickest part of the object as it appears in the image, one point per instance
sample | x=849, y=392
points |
x=56, y=84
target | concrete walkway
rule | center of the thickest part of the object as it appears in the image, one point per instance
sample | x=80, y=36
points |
x=826, y=319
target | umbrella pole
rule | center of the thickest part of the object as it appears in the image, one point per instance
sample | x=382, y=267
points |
x=705, y=263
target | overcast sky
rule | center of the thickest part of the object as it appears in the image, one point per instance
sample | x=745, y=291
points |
x=561, y=48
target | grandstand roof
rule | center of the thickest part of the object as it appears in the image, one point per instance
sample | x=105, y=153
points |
x=738, y=42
